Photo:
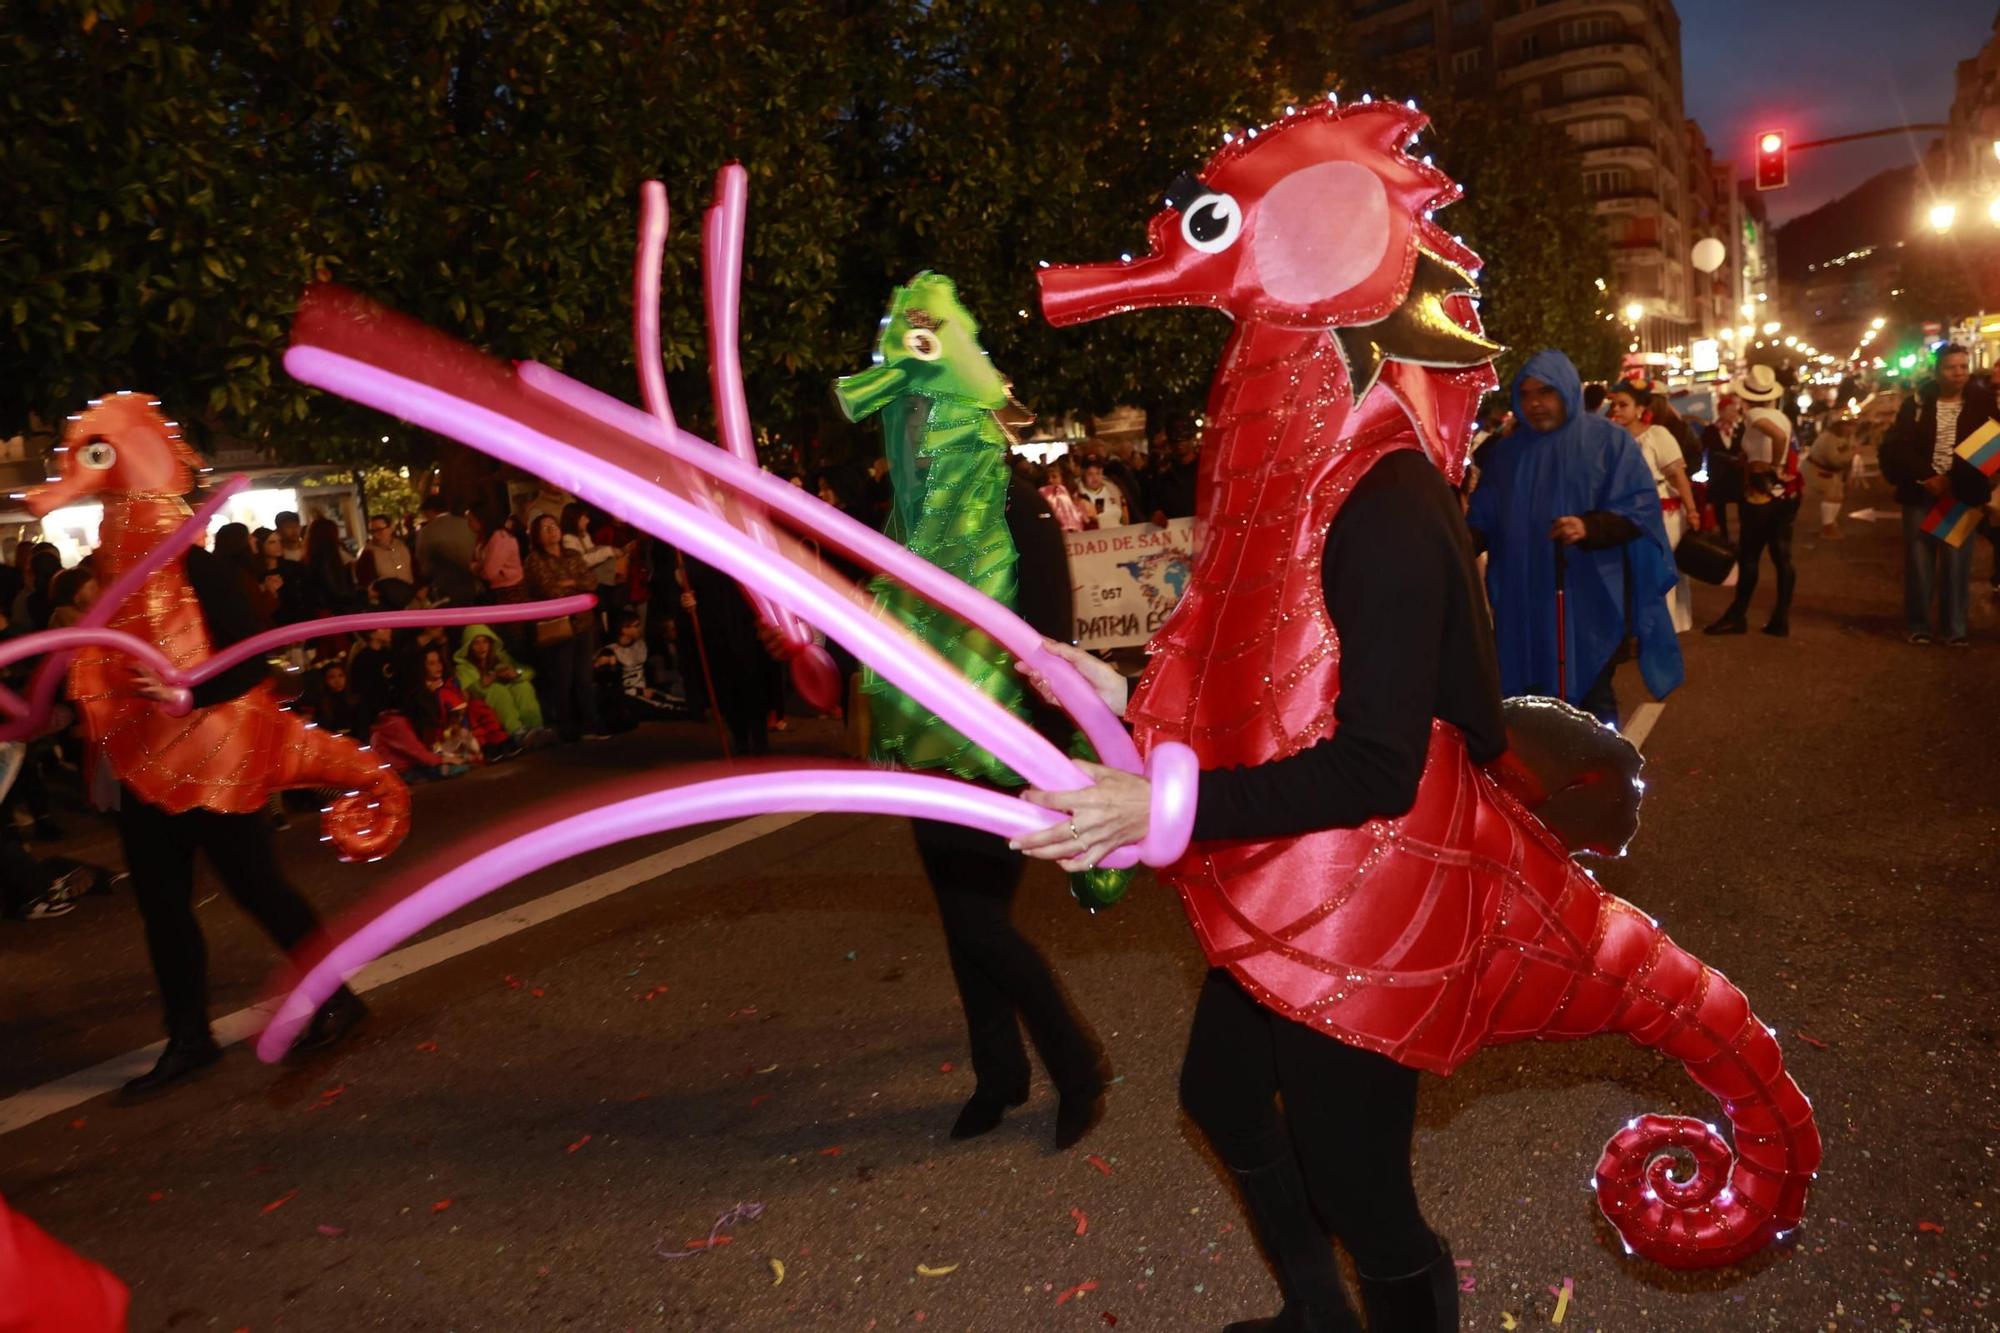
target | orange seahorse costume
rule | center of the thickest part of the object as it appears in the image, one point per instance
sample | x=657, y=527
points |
x=230, y=757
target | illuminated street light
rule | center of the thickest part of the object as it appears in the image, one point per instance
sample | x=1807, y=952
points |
x=1746, y=332
x=1772, y=328
x=1879, y=323
x=1726, y=335
x=1791, y=342
x=1749, y=310
x=1993, y=210
x=1942, y=216
x=1634, y=312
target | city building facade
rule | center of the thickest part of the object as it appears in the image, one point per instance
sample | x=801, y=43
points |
x=1608, y=72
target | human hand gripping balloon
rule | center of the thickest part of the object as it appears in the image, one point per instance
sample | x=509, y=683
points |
x=1114, y=811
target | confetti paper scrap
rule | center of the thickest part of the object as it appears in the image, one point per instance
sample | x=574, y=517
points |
x=328, y=1229
x=1507, y=1320
x=768, y=1069
x=835, y=1151
x=1562, y=1299
x=1465, y=1282
x=778, y=1267
x=512, y=982
x=156, y=1196
x=440, y=1205
x=427, y=1046
x=1099, y=1163
x=1076, y=1291
x=538, y=992
x=742, y=1212
x=927, y=1270
x=76, y=1123
x=279, y=1202
x=1937, y=1227
x=1110, y=1319
x=1809, y=1039
x=578, y=1144
x=1082, y=1222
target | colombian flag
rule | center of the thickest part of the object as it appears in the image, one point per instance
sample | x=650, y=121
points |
x=1950, y=521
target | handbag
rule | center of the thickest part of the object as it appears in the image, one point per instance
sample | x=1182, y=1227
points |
x=1705, y=556
x=549, y=633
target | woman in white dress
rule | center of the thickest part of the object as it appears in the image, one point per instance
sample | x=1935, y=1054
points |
x=1631, y=406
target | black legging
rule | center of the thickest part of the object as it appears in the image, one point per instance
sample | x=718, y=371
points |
x=1766, y=526
x=160, y=849
x=1003, y=980
x=1348, y=1119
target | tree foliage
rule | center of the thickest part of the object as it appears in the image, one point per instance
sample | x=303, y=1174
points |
x=181, y=169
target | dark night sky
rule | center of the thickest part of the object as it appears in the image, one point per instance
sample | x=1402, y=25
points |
x=1818, y=68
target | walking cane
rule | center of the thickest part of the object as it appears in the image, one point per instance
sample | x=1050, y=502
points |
x=701, y=652
x=1562, y=627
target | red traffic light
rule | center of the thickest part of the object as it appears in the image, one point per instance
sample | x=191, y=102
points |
x=1772, y=171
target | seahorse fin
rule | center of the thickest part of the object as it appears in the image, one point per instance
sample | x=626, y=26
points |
x=1577, y=776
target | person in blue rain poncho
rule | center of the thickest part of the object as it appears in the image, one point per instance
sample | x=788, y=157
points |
x=1571, y=481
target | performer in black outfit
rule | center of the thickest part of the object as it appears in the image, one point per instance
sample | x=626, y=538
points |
x=1415, y=644
x=160, y=849
x=1003, y=980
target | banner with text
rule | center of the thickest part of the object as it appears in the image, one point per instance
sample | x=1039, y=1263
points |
x=1128, y=580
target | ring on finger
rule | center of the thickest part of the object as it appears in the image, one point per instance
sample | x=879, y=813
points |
x=1073, y=832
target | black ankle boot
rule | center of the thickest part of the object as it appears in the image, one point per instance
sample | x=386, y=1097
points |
x=986, y=1108
x=186, y=1055
x=1274, y=1197
x=334, y=1020
x=1425, y=1301
x=1732, y=622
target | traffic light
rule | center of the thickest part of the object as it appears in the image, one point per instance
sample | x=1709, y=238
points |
x=1771, y=167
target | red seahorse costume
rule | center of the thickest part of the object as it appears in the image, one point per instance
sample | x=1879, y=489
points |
x=1464, y=923
x=230, y=757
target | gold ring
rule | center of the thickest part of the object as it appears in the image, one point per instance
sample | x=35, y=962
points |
x=1072, y=831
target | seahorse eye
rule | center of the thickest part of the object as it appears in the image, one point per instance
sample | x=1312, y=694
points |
x=923, y=345
x=1212, y=222
x=97, y=455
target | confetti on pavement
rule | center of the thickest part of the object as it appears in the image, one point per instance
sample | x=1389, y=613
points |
x=1465, y=1282
x=328, y=1229
x=1076, y=1291
x=778, y=1267
x=1809, y=1039
x=440, y=1205
x=279, y=1202
x=1562, y=1296
x=578, y=1144
x=427, y=1046
x=742, y=1212
x=1099, y=1163
x=1082, y=1222
x=937, y=1270
x=1937, y=1227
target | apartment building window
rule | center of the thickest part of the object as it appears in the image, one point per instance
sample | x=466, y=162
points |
x=1602, y=130
x=1465, y=62
x=1584, y=32
x=1468, y=13
x=1602, y=182
x=1531, y=46
x=1593, y=82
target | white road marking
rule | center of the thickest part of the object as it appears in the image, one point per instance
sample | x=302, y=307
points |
x=1641, y=725
x=25, y=1108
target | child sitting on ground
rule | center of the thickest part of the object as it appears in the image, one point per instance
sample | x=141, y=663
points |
x=623, y=663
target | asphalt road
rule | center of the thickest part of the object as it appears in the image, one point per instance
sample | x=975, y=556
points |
x=522, y=1135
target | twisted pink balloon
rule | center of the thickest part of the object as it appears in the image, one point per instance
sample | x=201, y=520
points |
x=813, y=670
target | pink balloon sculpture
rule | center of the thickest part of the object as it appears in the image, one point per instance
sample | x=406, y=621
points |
x=714, y=505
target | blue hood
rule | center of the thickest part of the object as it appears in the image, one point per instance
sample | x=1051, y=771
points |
x=1532, y=478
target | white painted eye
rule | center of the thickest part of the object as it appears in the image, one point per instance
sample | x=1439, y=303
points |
x=923, y=345
x=1212, y=222
x=97, y=455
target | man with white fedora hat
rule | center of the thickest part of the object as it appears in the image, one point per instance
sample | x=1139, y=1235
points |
x=1771, y=489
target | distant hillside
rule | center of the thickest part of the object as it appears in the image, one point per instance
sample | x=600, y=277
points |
x=1876, y=212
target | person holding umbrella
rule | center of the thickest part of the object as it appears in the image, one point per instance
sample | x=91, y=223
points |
x=1578, y=555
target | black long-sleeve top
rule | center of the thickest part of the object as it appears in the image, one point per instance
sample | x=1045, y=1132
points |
x=231, y=618
x=1415, y=644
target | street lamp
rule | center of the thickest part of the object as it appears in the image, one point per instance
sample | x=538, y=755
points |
x=1942, y=216
x=1878, y=323
x=1772, y=328
x=1993, y=210
x=1634, y=312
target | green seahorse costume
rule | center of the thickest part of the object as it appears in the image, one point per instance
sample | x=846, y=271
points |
x=936, y=394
